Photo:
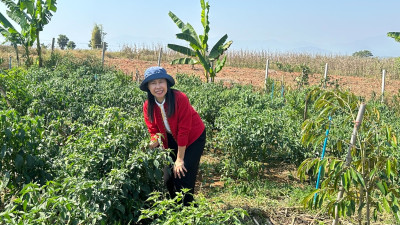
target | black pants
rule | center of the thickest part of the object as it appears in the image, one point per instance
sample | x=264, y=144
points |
x=192, y=158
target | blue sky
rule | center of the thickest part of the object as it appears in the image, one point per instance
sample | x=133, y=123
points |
x=310, y=26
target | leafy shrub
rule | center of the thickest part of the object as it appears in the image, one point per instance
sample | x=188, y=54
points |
x=21, y=157
x=172, y=211
x=13, y=90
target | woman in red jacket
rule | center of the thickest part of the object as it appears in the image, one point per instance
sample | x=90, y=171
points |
x=168, y=111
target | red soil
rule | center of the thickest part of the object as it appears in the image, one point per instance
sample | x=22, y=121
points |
x=358, y=85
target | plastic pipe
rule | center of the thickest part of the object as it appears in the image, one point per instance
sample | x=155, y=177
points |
x=322, y=156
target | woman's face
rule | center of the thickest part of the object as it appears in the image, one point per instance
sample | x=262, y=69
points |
x=158, y=88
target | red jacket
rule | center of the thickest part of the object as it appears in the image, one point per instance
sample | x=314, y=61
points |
x=186, y=124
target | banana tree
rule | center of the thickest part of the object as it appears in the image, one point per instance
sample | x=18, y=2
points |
x=198, y=52
x=11, y=34
x=369, y=180
x=31, y=16
x=40, y=13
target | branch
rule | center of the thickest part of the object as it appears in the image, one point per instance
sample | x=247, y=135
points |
x=3, y=93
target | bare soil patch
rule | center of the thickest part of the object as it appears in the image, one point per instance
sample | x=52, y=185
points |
x=360, y=86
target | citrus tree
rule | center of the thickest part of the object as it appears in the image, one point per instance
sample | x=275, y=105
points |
x=366, y=181
x=198, y=52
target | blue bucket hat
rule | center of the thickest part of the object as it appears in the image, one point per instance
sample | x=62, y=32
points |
x=153, y=73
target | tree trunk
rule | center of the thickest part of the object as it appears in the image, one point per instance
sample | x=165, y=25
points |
x=38, y=48
x=367, y=183
x=28, y=59
x=360, y=203
x=16, y=53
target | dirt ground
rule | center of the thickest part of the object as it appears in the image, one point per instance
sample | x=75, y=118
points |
x=358, y=85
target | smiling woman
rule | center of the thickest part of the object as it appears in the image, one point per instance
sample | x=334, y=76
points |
x=168, y=111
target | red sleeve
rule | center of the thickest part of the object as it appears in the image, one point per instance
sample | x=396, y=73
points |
x=184, y=111
x=151, y=126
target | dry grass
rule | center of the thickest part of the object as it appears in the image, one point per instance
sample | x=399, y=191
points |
x=337, y=65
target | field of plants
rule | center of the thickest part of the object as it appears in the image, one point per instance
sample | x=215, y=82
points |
x=74, y=151
x=290, y=149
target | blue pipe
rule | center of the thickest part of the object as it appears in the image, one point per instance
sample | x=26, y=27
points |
x=322, y=156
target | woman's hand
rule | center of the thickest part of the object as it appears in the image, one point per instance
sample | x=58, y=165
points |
x=179, y=168
x=153, y=144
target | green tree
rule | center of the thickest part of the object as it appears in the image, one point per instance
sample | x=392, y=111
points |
x=395, y=35
x=71, y=45
x=97, y=37
x=62, y=41
x=367, y=178
x=32, y=16
x=362, y=54
x=198, y=51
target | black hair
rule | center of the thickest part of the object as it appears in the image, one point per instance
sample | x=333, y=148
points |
x=169, y=100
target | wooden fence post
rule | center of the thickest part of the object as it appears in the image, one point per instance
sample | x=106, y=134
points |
x=102, y=55
x=266, y=73
x=383, y=84
x=159, y=57
x=326, y=74
x=137, y=76
x=9, y=63
x=52, y=46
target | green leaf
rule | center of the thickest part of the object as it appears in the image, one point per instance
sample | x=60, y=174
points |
x=361, y=179
x=5, y=22
x=189, y=38
x=176, y=20
x=395, y=35
x=189, y=61
x=344, y=181
x=51, y=5
x=388, y=169
x=121, y=208
x=227, y=45
x=19, y=161
x=220, y=65
x=386, y=205
x=188, y=29
x=375, y=215
x=24, y=205
x=218, y=50
x=182, y=50
x=382, y=188
x=354, y=175
x=203, y=61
